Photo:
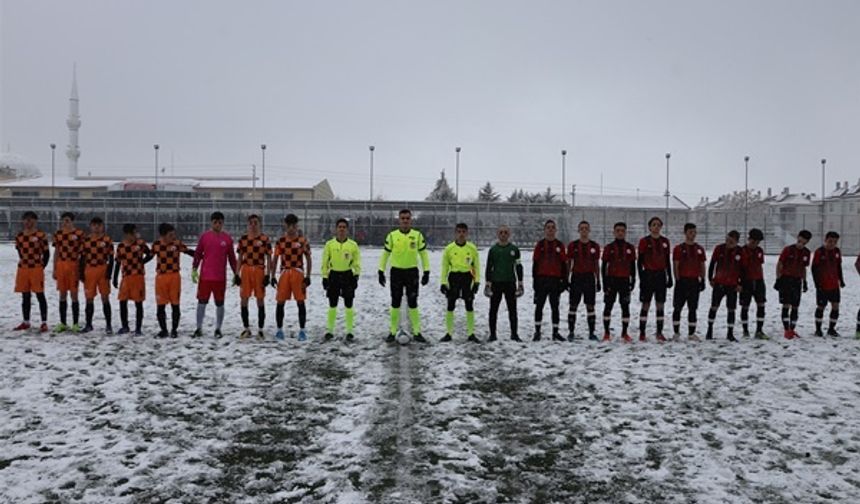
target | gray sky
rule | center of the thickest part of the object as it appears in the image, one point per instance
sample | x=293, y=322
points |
x=616, y=83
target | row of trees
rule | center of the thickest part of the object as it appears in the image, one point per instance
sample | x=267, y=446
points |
x=442, y=191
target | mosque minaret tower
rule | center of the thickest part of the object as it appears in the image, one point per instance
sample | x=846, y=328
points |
x=73, y=151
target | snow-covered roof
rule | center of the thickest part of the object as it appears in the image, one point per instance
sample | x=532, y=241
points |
x=16, y=166
x=190, y=183
x=625, y=201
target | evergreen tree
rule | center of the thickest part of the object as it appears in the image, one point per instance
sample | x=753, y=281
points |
x=442, y=191
x=488, y=194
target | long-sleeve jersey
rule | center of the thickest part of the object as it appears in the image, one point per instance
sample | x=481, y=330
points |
x=584, y=257
x=214, y=251
x=504, y=264
x=549, y=259
x=619, y=260
x=404, y=249
x=827, y=268
x=794, y=261
x=461, y=259
x=654, y=254
x=690, y=259
x=340, y=256
x=726, y=265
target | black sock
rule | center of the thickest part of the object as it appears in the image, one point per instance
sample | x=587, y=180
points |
x=786, y=321
x=858, y=321
x=625, y=318
x=174, y=315
x=279, y=315
x=245, y=322
x=607, y=317
x=261, y=316
x=43, y=306
x=63, y=309
x=676, y=322
x=26, y=305
x=661, y=316
x=161, y=315
x=745, y=313
x=794, y=316
x=138, y=311
x=592, y=320
x=303, y=314
x=643, y=320
x=819, y=318
x=89, y=311
x=123, y=314
x=106, y=309
x=76, y=312
x=712, y=314
x=759, y=318
x=834, y=316
x=571, y=321
x=730, y=318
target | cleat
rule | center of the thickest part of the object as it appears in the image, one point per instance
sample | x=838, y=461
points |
x=218, y=334
x=108, y=330
x=445, y=339
x=420, y=339
x=328, y=336
x=759, y=335
x=162, y=334
x=279, y=335
x=87, y=329
x=198, y=333
x=607, y=337
x=245, y=334
x=23, y=326
x=516, y=338
x=303, y=336
x=571, y=337
x=626, y=338
x=391, y=338
x=174, y=334
x=676, y=337
x=556, y=336
x=349, y=338
x=788, y=334
x=592, y=337
x=138, y=332
x=536, y=336
x=709, y=335
x=75, y=328
x=123, y=330
x=693, y=337
x=60, y=328
x=731, y=337
x=832, y=333
x=661, y=338
x=819, y=333
x=472, y=338
x=746, y=333
x=492, y=338
x=643, y=338
x=43, y=328
x=794, y=334
x=261, y=335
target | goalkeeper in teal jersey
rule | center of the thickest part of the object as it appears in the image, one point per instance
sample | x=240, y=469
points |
x=404, y=245
x=461, y=277
x=341, y=266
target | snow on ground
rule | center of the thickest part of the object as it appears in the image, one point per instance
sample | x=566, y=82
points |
x=122, y=419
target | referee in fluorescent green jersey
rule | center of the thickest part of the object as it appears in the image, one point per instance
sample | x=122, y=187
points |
x=341, y=266
x=404, y=245
x=461, y=277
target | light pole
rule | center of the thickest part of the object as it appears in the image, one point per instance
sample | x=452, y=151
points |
x=563, y=175
x=263, y=151
x=823, y=212
x=53, y=152
x=155, y=215
x=746, y=192
x=668, y=155
x=371, y=148
x=254, y=182
x=457, y=172
x=155, y=148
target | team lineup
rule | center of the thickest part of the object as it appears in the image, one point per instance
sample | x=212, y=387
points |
x=582, y=268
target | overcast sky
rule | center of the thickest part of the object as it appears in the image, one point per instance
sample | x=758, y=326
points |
x=616, y=83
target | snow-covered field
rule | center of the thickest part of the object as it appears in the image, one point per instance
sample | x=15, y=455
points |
x=118, y=419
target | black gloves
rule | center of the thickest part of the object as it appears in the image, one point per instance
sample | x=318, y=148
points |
x=274, y=281
x=701, y=284
x=354, y=281
x=307, y=281
x=777, y=284
x=237, y=280
x=475, y=287
x=669, y=282
x=382, y=278
x=325, y=283
x=425, y=278
x=563, y=284
x=632, y=284
x=266, y=281
x=444, y=289
x=805, y=286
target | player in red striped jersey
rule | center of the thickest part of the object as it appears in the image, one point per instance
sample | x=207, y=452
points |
x=753, y=284
x=791, y=280
x=584, y=266
x=724, y=273
x=827, y=276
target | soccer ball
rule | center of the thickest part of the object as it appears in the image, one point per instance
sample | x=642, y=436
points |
x=403, y=337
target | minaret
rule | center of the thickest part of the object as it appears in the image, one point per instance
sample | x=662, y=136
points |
x=73, y=151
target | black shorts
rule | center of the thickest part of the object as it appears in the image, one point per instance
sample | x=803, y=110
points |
x=753, y=289
x=404, y=279
x=652, y=285
x=584, y=287
x=341, y=284
x=729, y=292
x=616, y=287
x=460, y=286
x=789, y=291
x=686, y=293
x=823, y=297
x=547, y=287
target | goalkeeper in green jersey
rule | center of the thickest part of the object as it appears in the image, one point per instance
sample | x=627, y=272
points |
x=503, y=278
x=461, y=277
x=341, y=266
x=403, y=246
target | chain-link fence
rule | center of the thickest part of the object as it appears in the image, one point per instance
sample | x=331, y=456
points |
x=371, y=221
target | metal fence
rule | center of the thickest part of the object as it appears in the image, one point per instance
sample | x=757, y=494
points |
x=371, y=221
